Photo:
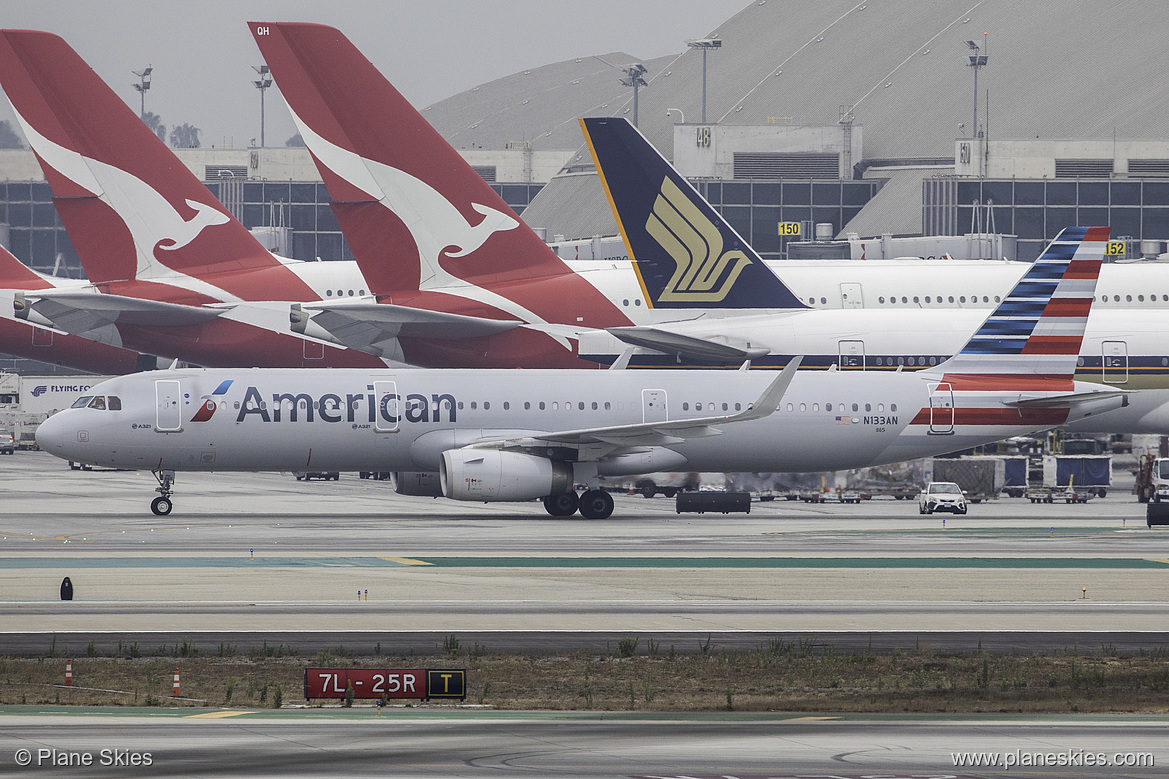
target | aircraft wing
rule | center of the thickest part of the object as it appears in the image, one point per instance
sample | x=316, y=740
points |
x=375, y=327
x=702, y=349
x=83, y=312
x=600, y=441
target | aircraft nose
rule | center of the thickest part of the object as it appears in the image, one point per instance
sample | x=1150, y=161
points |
x=55, y=434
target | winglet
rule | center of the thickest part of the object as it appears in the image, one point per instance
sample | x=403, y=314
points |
x=768, y=402
x=684, y=252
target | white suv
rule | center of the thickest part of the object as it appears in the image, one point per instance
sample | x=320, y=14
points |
x=941, y=496
x=7, y=443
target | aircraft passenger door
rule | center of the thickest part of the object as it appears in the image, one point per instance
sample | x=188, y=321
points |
x=653, y=406
x=852, y=355
x=941, y=410
x=851, y=295
x=388, y=406
x=1115, y=362
x=42, y=337
x=168, y=398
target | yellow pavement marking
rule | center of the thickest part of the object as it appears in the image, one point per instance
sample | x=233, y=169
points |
x=810, y=719
x=407, y=561
x=1156, y=560
x=217, y=714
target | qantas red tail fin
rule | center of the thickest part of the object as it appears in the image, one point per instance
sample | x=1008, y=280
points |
x=132, y=209
x=14, y=274
x=416, y=215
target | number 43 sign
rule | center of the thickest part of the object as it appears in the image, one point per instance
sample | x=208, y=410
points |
x=417, y=684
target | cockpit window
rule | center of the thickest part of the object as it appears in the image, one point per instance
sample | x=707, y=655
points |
x=82, y=401
x=115, y=403
x=98, y=402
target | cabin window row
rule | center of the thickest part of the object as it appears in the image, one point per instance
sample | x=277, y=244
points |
x=341, y=293
x=938, y=299
x=922, y=361
x=1128, y=298
x=843, y=408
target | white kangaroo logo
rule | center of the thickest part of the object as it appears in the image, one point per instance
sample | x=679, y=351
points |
x=205, y=216
x=434, y=223
x=152, y=221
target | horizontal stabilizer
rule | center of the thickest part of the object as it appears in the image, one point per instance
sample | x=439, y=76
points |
x=687, y=347
x=82, y=312
x=369, y=326
x=1071, y=399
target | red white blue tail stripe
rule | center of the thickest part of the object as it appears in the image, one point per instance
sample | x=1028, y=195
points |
x=1037, y=330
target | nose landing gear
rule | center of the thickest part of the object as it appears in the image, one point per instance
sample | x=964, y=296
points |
x=162, y=505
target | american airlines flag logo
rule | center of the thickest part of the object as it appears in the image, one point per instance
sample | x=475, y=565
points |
x=208, y=408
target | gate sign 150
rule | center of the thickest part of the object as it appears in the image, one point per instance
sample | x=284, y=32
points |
x=418, y=684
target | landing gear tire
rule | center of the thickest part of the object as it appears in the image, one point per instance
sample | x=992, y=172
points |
x=162, y=505
x=564, y=505
x=596, y=504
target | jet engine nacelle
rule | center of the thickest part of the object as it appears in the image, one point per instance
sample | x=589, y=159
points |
x=492, y=474
x=423, y=483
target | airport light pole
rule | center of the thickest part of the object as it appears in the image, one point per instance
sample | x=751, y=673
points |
x=977, y=61
x=143, y=85
x=634, y=79
x=262, y=83
x=706, y=44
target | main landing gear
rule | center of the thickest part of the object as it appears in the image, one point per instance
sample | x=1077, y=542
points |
x=162, y=505
x=592, y=504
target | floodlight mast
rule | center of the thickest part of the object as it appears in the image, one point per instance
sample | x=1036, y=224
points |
x=634, y=79
x=262, y=83
x=706, y=44
x=143, y=85
x=977, y=61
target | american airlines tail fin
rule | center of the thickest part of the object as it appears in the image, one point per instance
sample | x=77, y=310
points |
x=1038, y=328
x=415, y=214
x=684, y=252
x=132, y=209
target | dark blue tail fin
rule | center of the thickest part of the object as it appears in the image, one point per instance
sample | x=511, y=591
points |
x=684, y=252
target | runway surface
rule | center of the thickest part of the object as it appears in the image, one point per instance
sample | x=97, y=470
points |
x=358, y=742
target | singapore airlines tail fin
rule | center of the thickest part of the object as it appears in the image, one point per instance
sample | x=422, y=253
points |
x=132, y=208
x=415, y=213
x=684, y=252
x=1037, y=330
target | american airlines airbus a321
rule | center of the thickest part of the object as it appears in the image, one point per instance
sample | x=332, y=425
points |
x=508, y=435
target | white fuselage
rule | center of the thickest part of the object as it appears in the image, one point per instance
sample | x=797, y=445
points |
x=305, y=419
